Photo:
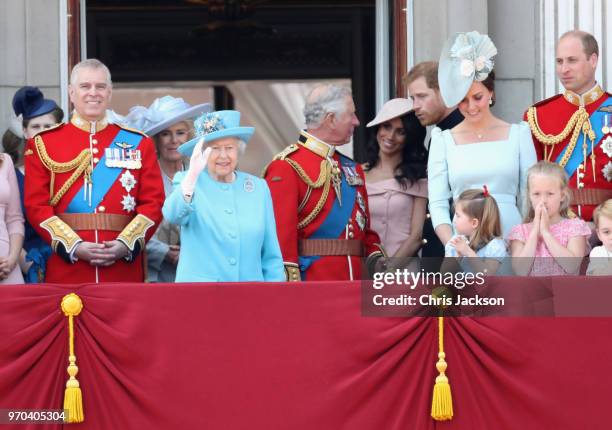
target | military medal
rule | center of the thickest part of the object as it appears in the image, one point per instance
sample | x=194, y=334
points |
x=361, y=202
x=124, y=160
x=114, y=157
x=249, y=186
x=352, y=177
x=123, y=156
x=132, y=159
x=606, y=146
x=361, y=220
x=605, y=129
x=109, y=159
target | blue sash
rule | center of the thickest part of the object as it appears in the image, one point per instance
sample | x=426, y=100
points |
x=103, y=177
x=337, y=218
x=596, y=123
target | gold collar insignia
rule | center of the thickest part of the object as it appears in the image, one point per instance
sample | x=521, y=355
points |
x=587, y=98
x=91, y=127
x=315, y=145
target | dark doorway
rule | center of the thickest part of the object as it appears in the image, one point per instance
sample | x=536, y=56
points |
x=221, y=40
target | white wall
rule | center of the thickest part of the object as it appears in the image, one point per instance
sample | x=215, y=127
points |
x=512, y=27
x=29, y=43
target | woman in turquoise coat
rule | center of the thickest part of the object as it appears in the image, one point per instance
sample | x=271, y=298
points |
x=228, y=232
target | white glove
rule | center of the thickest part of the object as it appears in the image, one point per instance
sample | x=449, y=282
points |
x=199, y=160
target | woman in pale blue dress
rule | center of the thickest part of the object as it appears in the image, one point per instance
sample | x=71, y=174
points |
x=169, y=121
x=482, y=149
x=228, y=231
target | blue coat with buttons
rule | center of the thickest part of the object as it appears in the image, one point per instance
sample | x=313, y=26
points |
x=228, y=232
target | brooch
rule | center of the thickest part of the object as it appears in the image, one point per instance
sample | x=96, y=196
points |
x=249, y=186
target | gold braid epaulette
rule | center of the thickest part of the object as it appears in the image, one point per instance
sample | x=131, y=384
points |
x=577, y=122
x=325, y=177
x=81, y=163
x=324, y=180
x=324, y=173
x=280, y=156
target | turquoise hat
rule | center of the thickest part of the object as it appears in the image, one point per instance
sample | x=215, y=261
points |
x=216, y=125
x=465, y=58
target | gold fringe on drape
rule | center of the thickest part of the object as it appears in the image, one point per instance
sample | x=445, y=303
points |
x=73, y=398
x=442, y=402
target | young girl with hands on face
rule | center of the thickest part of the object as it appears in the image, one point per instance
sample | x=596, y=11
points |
x=552, y=241
x=478, y=245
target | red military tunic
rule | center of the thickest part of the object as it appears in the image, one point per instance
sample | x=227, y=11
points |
x=591, y=182
x=129, y=200
x=304, y=181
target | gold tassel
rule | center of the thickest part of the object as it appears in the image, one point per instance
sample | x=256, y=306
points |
x=73, y=398
x=442, y=402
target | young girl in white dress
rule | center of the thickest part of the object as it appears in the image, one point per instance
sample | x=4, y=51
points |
x=477, y=244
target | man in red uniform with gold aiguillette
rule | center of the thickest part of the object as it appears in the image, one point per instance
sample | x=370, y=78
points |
x=574, y=129
x=93, y=189
x=319, y=195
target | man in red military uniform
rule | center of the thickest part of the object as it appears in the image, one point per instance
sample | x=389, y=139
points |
x=93, y=189
x=319, y=195
x=574, y=129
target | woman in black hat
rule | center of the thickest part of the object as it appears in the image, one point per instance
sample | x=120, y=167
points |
x=37, y=113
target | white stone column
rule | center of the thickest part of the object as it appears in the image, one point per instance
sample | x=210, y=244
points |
x=512, y=29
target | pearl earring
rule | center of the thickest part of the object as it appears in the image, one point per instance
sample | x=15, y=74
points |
x=490, y=101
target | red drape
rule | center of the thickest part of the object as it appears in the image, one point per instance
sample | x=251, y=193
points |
x=274, y=356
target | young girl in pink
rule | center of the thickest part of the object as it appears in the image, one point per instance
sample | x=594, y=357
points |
x=552, y=241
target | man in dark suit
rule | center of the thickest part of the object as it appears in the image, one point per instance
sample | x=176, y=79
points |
x=422, y=83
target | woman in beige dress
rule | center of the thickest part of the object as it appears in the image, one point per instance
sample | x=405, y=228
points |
x=396, y=179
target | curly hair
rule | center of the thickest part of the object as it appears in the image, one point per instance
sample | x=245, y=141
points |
x=414, y=154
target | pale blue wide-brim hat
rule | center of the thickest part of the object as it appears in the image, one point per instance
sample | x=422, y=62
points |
x=465, y=58
x=217, y=125
x=164, y=112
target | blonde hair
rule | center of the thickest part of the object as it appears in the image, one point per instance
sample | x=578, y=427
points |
x=546, y=168
x=603, y=210
x=482, y=206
